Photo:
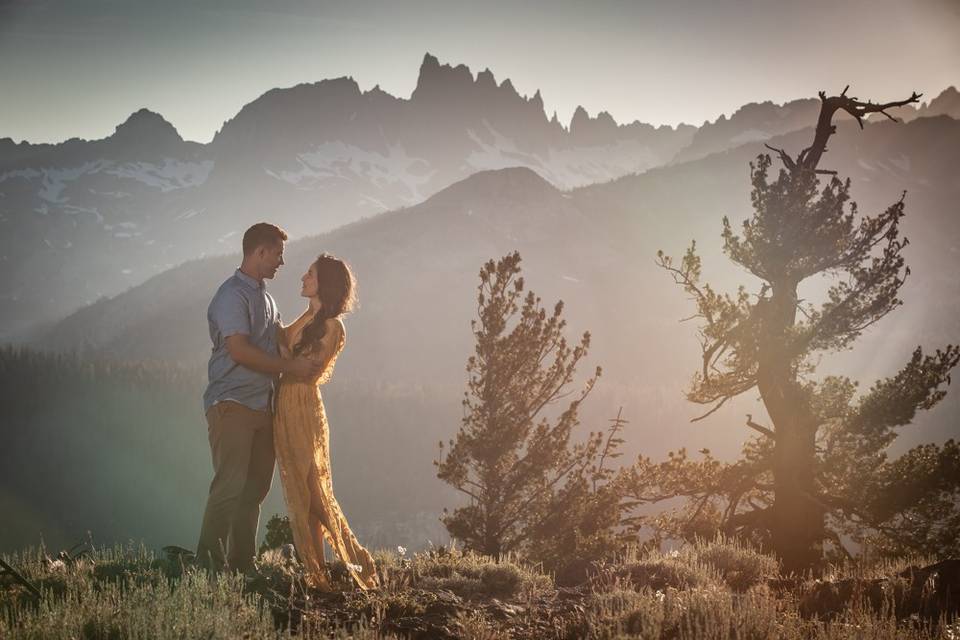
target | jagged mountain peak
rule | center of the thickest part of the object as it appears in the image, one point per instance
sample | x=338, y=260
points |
x=947, y=103
x=605, y=118
x=379, y=96
x=444, y=83
x=580, y=116
x=429, y=62
x=597, y=130
x=145, y=125
x=486, y=80
x=435, y=77
x=950, y=91
x=447, y=97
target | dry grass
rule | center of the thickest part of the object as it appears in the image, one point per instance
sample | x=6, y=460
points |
x=710, y=590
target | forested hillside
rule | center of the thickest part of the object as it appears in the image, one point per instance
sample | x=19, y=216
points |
x=121, y=451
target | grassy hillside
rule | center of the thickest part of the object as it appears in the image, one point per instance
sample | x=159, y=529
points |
x=714, y=590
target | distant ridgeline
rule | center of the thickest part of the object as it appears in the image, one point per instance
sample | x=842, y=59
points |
x=120, y=450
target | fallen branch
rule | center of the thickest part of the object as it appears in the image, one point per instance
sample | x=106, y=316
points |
x=7, y=569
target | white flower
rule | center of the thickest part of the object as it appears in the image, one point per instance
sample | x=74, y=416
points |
x=354, y=567
x=401, y=550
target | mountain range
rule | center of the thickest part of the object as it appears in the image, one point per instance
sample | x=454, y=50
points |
x=83, y=220
x=594, y=248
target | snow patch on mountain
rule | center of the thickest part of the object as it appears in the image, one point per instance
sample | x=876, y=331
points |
x=503, y=153
x=340, y=160
x=368, y=200
x=54, y=180
x=112, y=194
x=189, y=213
x=20, y=173
x=566, y=168
x=173, y=174
x=571, y=168
x=900, y=161
x=748, y=136
x=227, y=236
x=73, y=209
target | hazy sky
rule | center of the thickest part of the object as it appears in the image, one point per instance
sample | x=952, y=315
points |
x=80, y=67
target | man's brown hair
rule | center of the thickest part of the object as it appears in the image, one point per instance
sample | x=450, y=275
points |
x=260, y=234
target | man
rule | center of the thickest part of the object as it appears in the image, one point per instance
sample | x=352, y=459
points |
x=244, y=364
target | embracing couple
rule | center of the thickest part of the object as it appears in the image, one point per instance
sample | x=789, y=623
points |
x=252, y=420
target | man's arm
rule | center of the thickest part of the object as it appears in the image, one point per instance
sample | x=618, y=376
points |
x=229, y=313
x=252, y=357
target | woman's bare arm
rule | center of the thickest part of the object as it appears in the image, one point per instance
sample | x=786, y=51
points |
x=285, y=332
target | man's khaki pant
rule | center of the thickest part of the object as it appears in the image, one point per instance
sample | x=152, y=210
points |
x=241, y=442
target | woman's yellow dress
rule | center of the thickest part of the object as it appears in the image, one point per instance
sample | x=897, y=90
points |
x=302, y=442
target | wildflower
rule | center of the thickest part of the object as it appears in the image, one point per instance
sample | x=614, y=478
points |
x=401, y=550
x=354, y=567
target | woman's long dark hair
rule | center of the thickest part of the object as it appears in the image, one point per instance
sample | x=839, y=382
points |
x=337, y=292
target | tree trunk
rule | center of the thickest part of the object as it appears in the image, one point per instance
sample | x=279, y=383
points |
x=492, y=545
x=797, y=518
x=797, y=524
x=492, y=538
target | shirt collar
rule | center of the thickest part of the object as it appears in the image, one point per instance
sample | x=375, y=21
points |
x=248, y=280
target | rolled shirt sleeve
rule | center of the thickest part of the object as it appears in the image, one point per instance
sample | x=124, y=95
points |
x=230, y=314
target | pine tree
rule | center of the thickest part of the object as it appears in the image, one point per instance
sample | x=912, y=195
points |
x=527, y=478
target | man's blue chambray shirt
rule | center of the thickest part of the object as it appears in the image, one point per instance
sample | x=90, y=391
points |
x=241, y=305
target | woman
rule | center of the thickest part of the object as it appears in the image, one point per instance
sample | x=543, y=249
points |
x=301, y=433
